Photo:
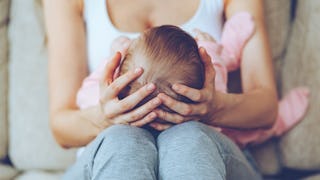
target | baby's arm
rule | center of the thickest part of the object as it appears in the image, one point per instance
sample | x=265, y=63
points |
x=236, y=33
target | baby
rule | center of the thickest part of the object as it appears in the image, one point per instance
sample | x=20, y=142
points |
x=169, y=55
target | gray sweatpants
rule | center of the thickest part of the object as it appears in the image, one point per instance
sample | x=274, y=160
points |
x=188, y=151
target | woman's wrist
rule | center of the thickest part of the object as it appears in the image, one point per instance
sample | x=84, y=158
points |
x=216, y=109
x=95, y=117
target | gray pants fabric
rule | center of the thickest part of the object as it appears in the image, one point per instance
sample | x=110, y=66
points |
x=188, y=151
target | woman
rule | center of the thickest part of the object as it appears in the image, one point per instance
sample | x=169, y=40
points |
x=80, y=32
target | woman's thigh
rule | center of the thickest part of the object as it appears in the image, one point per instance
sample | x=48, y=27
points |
x=119, y=152
x=193, y=150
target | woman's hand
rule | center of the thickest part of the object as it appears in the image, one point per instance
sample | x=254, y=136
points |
x=202, y=36
x=116, y=111
x=206, y=100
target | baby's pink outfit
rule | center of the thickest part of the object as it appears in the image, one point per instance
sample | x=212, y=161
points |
x=225, y=57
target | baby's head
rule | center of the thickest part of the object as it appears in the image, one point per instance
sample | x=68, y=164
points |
x=168, y=55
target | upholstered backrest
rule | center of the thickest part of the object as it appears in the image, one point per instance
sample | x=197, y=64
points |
x=300, y=148
x=278, y=18
x=4, y=13
x=31, y=143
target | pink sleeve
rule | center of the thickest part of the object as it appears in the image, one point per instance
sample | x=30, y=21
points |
x=88, y=94
x=236, y=32
x=214, y=49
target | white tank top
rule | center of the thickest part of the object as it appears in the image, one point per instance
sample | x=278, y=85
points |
x=101, y=32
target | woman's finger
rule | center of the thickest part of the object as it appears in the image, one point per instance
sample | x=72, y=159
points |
x=169, y=117
x=110, y=68
x=202, y=36
x=177, y=106
x=160, y=126
x=209, y=70
x=195, y=95
x=139, y=112
x=120, y=83
x=133, y=99
x=174, y=117
x=147, y=119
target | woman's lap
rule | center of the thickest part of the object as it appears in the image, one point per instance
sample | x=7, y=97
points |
x=119, y=152
x=190, y=150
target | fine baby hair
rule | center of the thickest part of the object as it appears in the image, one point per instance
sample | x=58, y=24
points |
x=168, y=55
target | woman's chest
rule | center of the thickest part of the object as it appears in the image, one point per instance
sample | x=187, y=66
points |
x=130, y=17
x=138, y=15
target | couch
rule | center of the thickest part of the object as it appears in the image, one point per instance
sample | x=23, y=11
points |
x=29, y=152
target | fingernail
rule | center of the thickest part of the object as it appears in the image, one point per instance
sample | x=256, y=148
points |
x=150, y=87
x=156, y=101
x=161, y=96
x=153, y=115
x=138, y=70
x=175, y=87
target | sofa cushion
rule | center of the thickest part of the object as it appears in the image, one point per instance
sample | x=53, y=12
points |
x=300, y=148
x=313, y=177
x=7, y=172
x=266, y=157
x=3, y=93
x=278, y=24
x=4, y=6
x=31, y=143
x=40, y=175
x=4, y=10
x=277, y=15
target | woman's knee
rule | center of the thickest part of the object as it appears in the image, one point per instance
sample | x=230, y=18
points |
x=188, y=150
x=194, y=133
x=186, y=132
x=126, y=139
x=124, y=147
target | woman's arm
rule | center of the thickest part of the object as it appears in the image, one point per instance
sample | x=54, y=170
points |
x=67, y=69
x=256, y=106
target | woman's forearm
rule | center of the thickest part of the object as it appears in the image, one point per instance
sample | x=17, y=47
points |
x=257, y=106
x=254, y=109
x=75, y=128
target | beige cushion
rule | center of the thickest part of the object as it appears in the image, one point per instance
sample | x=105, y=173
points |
x=266, y=158
x=300, y=148
x=31, y=143
x=7, y=172
x=277, y=14
x=3, y=93
x=40, y=175
x=314, y=177
x=4, y=10
x=4, y=6
x=278, y=24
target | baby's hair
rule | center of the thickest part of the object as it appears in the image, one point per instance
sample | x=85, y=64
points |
x=168, y=55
